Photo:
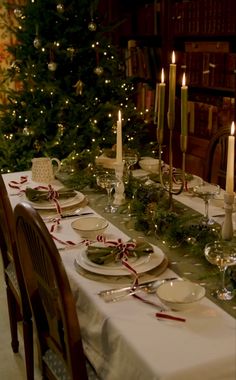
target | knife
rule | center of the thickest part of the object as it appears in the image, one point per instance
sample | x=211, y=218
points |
x=74, y=214
x=120, y=292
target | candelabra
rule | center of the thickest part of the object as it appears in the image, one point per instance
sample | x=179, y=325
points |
x=168, y=186
x=119, y=196
x=227, y=227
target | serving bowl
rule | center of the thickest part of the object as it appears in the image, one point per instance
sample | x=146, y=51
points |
x=149, y=165
x=90, y=227
x=180, y=294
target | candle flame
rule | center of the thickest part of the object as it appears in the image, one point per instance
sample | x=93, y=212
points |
x=184, y=80
x=173, y=57
x=162, y=76
x=232, y=128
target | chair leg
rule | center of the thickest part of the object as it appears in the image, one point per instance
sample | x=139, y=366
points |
x=29, y=348
x=13, y=318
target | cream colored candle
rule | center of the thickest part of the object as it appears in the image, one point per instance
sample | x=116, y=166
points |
x=156, y=103
x=184, y=107
x=172, y=91
x=119, y=140
x=161, y=101
x=230, y=161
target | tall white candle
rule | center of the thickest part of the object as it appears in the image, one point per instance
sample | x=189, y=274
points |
x=161, y=101
x=172, y=91
x=230, y=161
x=119, y=140
x=184, y=107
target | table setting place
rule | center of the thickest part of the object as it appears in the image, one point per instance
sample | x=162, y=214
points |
x=103, y=257
x=103, y=252
x=128, y=282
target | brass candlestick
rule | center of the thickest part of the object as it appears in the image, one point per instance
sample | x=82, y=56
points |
x=227, y=227
x=183, y=145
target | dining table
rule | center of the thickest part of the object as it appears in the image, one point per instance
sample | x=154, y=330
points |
x=126, y=339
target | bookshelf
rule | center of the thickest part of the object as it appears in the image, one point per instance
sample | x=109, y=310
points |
x=202, y=34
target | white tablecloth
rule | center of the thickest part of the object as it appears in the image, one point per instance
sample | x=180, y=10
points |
x=125, y=340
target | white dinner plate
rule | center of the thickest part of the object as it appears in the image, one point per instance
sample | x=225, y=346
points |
x=151, y=262
x=50, y=205
x=133, y=261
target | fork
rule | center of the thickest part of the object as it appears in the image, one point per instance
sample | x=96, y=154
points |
x=150, y=288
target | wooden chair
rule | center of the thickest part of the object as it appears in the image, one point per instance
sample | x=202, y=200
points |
x=52, y=302
x=17, y=298
x=216, y=158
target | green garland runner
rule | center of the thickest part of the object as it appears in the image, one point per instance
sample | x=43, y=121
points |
x=149, y=204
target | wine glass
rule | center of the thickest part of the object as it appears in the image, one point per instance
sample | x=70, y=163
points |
x=206, y=191
x=223, y=254
x=108, y=181
x=130, y=158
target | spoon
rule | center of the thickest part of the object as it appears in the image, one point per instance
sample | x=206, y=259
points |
x=114, y=295
x=65, y=215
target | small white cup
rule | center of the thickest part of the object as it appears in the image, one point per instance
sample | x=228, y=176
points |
x=43, y=169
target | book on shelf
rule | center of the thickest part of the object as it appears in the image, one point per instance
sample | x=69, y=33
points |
x=205, y=17
x=209, y=69
x=205, y=118
x=143, y=61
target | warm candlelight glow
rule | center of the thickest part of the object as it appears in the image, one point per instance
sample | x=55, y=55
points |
x=172, y=90
x=232, y=128
x=162, y=76
x=173, y=57
x=230, y=161
x=161, y=108
x=119, y=140
x=184, y=107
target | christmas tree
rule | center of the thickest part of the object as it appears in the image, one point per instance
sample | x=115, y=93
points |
x=69, y=83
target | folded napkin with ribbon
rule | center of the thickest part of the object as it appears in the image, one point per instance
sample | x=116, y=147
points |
x=116, y=251
x=42, y=193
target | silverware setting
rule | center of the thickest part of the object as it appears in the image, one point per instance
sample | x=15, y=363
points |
x=117, y=294
x=77, y=214
x=71, y=215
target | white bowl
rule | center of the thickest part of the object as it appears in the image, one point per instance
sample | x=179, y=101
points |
x=150, y=165
x=180, y=295
x=89, y=227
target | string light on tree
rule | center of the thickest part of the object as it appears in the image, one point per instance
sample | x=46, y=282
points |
x=60, y=8
x=92, y=26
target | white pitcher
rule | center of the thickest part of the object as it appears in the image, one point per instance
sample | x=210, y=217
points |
x=43, y=169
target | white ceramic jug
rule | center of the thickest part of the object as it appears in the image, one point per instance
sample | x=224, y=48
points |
x=43, y=169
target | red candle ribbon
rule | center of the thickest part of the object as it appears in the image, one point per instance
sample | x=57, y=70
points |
x=171, y=317
x=17, y=184
x=52, y=195
x=69, y=242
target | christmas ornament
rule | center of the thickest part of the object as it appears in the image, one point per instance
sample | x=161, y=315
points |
x=61, y=129
x=79, y=87
x=37, y=145
x=98, y=70
x=37, y=43
x=60, y=8
x=92, y=26
x=17, y=12
x=52, y=66
x=71, y=52
x=15, y=66
x=26, y=131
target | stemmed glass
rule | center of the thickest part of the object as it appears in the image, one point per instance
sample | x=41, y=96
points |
x=223, y=254
x=108, y=181
x=130, y=158
x=206, y=191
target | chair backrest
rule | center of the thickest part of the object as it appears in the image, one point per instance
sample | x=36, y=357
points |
x=50, y=295
x=9, y=248
x=216, y=159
